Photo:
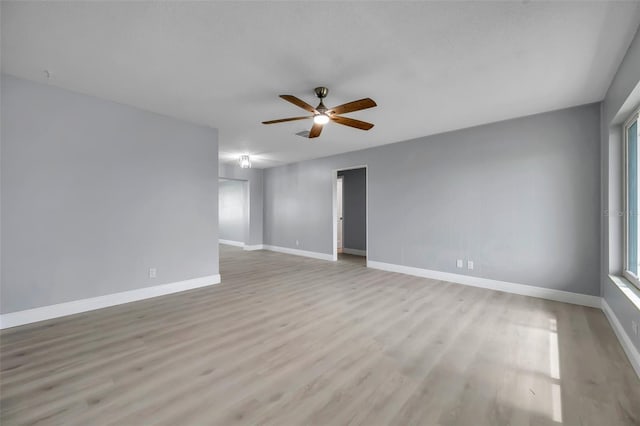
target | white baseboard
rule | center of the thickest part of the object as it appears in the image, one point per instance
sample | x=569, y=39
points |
x=43, y=313
x=254, y=247
x=297, y=252
x=355, y=252
x=525, y=290
x=232, y=243
x=623, y=337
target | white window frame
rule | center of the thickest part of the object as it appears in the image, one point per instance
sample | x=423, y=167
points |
x=635, y=117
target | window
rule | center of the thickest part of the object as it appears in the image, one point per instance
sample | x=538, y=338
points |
x=631, y=199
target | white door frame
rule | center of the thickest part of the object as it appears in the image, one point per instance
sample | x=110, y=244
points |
x=340, y=225
x=334, y=186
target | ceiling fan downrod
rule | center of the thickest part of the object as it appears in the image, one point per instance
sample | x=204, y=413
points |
x=321, y=92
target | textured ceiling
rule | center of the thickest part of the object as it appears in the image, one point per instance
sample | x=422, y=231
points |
x=430, y=66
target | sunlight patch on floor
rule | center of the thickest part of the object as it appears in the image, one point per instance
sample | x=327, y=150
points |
x=554, y=371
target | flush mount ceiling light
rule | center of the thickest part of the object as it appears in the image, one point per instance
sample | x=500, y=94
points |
x=244, y=162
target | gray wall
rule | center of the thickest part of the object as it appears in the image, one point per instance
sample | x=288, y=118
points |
x=623, y=96
x=520, y=198
x=256, y=197
x=94, y=193
x=232, y=210
x=354, y=208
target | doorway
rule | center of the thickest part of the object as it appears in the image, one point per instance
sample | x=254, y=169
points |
x=233, y=211
x=350, y=214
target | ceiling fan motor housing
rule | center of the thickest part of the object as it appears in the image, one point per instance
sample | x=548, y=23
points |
x=321, y=92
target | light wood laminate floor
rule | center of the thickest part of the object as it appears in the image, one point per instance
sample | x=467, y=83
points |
x=287, y=340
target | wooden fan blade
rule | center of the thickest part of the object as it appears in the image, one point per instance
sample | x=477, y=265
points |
x=362, y=125
x=282, y=120
x=353, y=106
x=315, y=130
x=299, y=102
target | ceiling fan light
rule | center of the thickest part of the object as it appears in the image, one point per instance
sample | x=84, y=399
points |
x=321, y=119
x=244, y=162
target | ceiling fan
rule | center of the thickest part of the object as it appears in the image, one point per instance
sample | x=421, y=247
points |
x=322, y=115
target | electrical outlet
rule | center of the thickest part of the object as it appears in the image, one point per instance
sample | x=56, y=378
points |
x=297, y=243
x=152, y=272
x=469, y=264
x=459, y=263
